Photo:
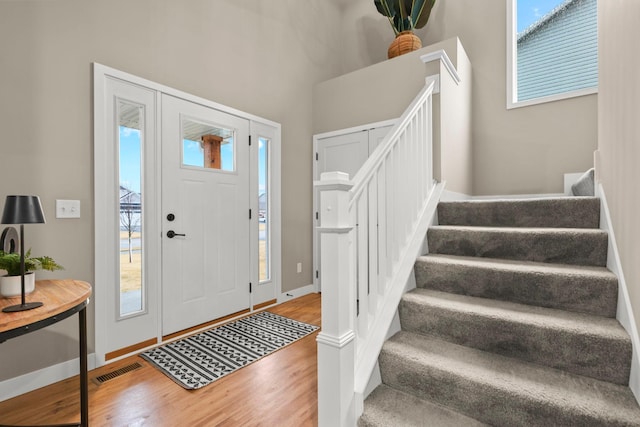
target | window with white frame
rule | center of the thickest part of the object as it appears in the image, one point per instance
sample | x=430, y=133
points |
x=552, y=50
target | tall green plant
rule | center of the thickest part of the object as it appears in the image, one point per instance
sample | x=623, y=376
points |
x=11, y=263
x=405, y=15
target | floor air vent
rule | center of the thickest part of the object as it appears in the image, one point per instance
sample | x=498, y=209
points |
x=115, y=374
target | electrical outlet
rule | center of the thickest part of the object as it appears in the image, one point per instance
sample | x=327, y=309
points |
x=67, y=208
x=299, y=267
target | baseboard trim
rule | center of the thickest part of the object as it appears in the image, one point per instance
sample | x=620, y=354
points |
x=453, y=196
x=518, y=196
x=41, y=378
x=296, y=293
x=625, y=312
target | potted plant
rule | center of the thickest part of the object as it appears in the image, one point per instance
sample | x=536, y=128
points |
x=10, y=284
x=405, y=16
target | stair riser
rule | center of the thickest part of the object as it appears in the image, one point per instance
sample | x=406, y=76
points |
x=388, y=407
x=600, y=357
x=558, y=213
x=584, y=294
x=482, y=401
x=577, y=248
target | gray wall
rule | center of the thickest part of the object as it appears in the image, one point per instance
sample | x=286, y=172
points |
x=619, y=132
x=246, y=54
x=524, y=150
x=371, y=94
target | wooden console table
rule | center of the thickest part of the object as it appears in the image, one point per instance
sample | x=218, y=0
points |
x=61, y=299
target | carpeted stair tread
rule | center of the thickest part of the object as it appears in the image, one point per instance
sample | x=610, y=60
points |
x=386, y=407
x=499, y=390
x=592, y=290
x=583, y=344
x=552, y=245
x=564, y=212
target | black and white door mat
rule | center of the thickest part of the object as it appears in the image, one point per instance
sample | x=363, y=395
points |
x=198, y=360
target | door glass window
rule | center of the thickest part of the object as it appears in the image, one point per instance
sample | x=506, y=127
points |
x=264, y=209
x=207, y=146
x=130, y=144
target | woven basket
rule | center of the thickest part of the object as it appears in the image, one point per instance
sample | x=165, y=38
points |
x=405, y=42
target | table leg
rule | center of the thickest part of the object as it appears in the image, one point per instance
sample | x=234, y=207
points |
x=84, y=375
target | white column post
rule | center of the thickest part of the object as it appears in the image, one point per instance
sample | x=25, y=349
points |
x=336, y=346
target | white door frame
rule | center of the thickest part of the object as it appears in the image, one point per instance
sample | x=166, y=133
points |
x=105, y=273
x=316, y=177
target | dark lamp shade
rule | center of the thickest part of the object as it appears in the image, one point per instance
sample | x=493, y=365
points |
x=23, y=210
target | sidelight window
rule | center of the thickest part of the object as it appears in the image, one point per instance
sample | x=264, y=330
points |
x=264, y=208
x=130, y=143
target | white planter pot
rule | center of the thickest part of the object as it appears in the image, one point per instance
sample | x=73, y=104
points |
x=10, y=285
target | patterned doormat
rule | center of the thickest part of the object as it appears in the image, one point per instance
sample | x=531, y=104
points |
x=196, y=361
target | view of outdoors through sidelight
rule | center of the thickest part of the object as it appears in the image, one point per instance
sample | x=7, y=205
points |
x=130, y=199
x=203, y=146
x=263, y=209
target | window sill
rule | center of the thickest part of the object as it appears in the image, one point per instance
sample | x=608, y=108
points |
x=552, y=98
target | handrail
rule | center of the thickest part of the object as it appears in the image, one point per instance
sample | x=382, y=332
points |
x=375, y=159
x=371, y=232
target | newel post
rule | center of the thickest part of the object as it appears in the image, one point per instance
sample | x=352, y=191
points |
x=336, y=345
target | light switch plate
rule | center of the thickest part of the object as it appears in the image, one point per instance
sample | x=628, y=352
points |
x=67, y=208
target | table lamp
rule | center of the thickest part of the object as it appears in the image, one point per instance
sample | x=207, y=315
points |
x=22, y=210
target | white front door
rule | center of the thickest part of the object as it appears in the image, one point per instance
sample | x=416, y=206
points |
x=206, y=266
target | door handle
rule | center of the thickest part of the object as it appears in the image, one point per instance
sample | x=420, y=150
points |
x=171, y=234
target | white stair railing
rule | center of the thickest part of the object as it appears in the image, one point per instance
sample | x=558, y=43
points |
x=372, y=229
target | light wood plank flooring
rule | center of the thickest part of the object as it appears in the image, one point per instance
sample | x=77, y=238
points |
x=278, y=390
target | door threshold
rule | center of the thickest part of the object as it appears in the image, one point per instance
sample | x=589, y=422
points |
x=130, y=349
x=204, y=325
x=265, y=304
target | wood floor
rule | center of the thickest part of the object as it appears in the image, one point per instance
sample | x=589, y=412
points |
x=278, y=390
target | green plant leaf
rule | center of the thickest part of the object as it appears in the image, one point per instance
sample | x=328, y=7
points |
x=421, y=12
x=47, y=263
x=385, y=7
x=404, y=11
x=397, y=23
x=408, y=25
x=11, y=263
x=407, y=5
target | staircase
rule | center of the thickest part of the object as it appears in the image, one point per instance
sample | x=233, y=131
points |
x=512, y=323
